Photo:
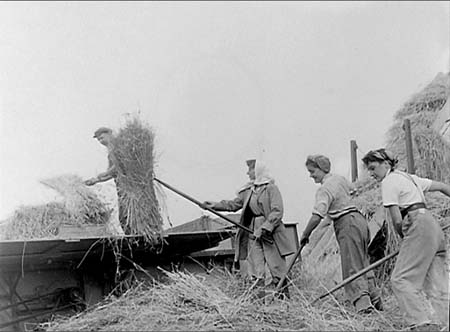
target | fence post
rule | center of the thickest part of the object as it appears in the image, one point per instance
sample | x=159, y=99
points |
x=409, y=146
x=354, y=162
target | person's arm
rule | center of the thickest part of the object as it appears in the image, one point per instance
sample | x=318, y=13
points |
x=226, y=205
x=321, y=206
x=313, y=222
x=276, y=209
x=102, y=177
x=440, y=186
x=396, y=217
x=108, y=175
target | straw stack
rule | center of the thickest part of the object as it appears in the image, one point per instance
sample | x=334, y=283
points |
x=431, y=152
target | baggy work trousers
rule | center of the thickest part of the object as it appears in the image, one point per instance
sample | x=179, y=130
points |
x=421, y=266
x=123, y=215
x=353, y=237
x=260, y=253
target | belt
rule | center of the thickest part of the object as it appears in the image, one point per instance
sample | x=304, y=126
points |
x=345, y=213
x=412, y=207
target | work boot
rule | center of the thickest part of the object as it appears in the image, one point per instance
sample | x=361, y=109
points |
x=375, y=295
x=378, y=304
x=363, y=305
x=259, y=289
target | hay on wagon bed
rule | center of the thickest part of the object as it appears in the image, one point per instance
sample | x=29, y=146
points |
x=81, y=202
x=36, y=222
x=80, y=206
x=133, y=147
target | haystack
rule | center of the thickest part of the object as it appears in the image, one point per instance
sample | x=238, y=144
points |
x=431, y=150
x=133, y=148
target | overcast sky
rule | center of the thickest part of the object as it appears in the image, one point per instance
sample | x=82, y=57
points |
x=220, y=82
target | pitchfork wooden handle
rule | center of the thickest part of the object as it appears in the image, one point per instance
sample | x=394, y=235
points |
x=248, y=230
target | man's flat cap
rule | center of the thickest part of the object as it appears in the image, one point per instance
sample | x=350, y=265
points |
x=102, y=130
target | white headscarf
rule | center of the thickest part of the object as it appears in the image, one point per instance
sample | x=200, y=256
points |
x=262, y=174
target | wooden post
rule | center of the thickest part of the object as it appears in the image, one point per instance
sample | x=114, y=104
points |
x=354, y=162
x=409, y=146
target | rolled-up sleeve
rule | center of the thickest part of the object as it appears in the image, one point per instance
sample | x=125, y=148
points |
x=389, y=192
x=322, y=202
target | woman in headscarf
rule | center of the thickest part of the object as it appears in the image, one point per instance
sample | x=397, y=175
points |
x=351, y=229
x=421, y=263
x=262, y=211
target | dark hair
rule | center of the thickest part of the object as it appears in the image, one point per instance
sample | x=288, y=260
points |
x=319, y=161
x=380, y=155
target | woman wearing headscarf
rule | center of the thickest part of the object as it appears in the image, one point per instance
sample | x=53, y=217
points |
x=262, y=211
x=351, y=229
x=421, y=262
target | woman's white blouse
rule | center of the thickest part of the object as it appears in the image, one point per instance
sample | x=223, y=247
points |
x=397, y=188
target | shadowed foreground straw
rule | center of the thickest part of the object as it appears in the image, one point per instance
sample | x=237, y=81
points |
x=219, y=302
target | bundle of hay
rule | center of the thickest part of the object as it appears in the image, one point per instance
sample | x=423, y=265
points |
x=81, y=202
x=133, y=148
x=80, y=206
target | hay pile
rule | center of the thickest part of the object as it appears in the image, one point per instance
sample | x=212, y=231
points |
x=431, y=151
x=222, y=302
x=79, y=206
x=133, y=148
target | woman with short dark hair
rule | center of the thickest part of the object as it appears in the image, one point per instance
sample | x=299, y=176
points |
x=421, y=263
